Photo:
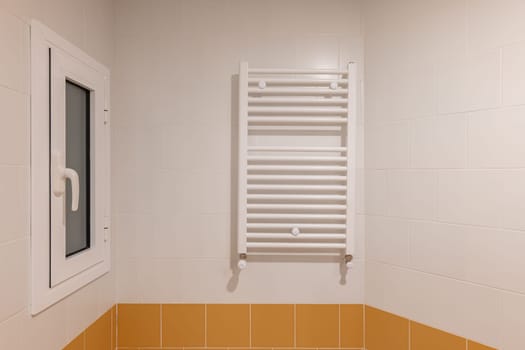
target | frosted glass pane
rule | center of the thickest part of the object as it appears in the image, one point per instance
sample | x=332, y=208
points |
x=77, y=158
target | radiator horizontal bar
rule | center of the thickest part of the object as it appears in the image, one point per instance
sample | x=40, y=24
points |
x=297, y=81
x=298, y=177
x=296, y=207
x=300, y=226
x=295, y=71
x=296, y=120
x=296, y=149
x=328, y=236
x=297, y=110
x=296, y=216
x=298, y=158
x=298, y=187
x=297, y=91
x=296, y=245
x=298, y=197
x=298, y=101
x=297, y=167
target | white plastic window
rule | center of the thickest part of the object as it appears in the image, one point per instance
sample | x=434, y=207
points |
x=69, y=168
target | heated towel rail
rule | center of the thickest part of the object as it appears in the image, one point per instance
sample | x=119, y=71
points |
x=297, y=162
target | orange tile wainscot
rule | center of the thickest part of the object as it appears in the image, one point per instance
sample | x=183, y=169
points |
x=261, y=327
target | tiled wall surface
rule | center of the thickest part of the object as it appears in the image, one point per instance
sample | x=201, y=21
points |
x=261, y=327
x=242, y=326
x=53, y=328
x=388, y=331
x=174, y=145
x=100, y=335
x=445, y=160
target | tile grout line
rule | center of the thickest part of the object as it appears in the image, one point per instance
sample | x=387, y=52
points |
x=364, y=326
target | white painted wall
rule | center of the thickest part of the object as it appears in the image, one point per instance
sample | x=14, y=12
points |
x=445, y=160
x=174, y=124
x=88, y=25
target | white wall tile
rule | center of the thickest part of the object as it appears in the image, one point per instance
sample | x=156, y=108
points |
x=47, y=330
x=14, y=53
x=15, y=117
x=452, y=85
x=438, y=142
x=486, y=256
x=359, y=237
x=513, y=202
x=11, y=333
x=495, y=258
x=492, y=24
x=513, y=74
x=82, y=308
x=387, y=240
x=376, y=200
x=387, y=146
x=455, y=306
x=128, y=283
x=438, y=248
x=495, y=139
x=406, y=92
x=469, y=82
x=14, y=262
x=321, y=51
x=159, y=281
x=512, y=321
x=388, y=287
x=182, y=142
x=412, y=193
x=204, y=235
x=470, y=197
x=14, y=203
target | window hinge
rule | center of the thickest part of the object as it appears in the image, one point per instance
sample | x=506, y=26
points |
x=106, y=229
x=106, y=234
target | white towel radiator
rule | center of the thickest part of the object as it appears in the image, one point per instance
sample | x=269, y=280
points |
x=297, y=162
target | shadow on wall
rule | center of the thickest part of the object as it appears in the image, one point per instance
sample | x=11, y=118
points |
x=233, y=282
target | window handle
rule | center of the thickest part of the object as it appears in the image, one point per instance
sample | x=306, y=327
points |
x=60, y=175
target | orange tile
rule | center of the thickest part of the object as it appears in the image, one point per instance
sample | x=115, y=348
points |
x=98, y=335
x=272, y=325
x=351, y=325
x=114, y=327
x=183, y=325
x=476, y=346
x=317, y=326
x=228, y=325
x=76, y=344
x=427, y=338
x=138, y=325
x=385, y=330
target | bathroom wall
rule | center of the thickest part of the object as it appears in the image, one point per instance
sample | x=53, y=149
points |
x=88, y=25
x=445, y=158
x=174, y=145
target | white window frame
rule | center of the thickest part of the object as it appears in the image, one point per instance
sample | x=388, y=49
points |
x=53, y=61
